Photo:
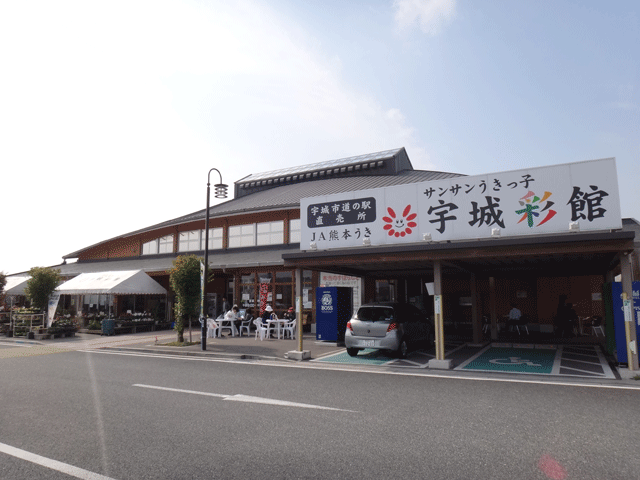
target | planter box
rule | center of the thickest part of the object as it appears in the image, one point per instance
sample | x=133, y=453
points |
x=42, y=336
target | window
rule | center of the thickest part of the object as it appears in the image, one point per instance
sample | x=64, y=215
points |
x=242, y=236
x=194, y=240
x=159, y=245
x=165, y=244
x=294, y=231
x=270, y=233
x=215, y=238
x=150, y=248
x=189, y=241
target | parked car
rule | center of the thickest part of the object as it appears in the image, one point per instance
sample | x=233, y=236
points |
x=397, y=327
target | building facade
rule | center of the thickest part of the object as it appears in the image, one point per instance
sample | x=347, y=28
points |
x=256, y=245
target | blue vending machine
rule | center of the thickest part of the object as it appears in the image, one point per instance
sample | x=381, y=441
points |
x=333, y=311
x=618, y=318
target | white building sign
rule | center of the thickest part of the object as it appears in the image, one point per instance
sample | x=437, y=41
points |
x=521, y=202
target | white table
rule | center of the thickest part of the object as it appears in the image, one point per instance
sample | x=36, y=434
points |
x=279, y=323
x=228, y=324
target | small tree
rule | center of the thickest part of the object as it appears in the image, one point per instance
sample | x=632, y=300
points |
x=3, y=283
x=185, y=282
x=41, y=285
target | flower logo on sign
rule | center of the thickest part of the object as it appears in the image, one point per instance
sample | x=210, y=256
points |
x=399, y=226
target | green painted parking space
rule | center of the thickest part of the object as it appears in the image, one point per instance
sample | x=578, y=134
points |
x=574, y=361
x=512, y=359
x=366, y=357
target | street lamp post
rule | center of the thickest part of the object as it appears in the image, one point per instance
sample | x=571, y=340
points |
x=220, y=192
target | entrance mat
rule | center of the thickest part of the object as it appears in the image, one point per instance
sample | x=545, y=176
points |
x=512, y=359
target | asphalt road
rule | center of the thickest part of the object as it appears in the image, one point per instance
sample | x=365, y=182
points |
x=152, y=417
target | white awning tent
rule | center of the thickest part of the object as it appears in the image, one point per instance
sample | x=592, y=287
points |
x=16, y=285
x=129, y=282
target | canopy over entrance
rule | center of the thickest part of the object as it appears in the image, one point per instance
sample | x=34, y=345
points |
x=128, y=282
x=16, y=285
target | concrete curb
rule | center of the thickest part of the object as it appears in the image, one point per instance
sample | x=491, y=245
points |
x=178, y=353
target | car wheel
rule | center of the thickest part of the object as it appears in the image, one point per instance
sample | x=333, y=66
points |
x=353, y=351
x=403, y=349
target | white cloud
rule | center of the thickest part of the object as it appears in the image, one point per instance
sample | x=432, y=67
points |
x=430, y=15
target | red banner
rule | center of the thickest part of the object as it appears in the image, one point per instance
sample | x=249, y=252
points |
x=264, y=293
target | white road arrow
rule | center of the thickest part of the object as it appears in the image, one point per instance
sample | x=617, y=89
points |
x=244, y=398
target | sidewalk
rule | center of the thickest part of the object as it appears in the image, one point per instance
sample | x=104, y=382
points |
x=156, y=342
x=250, y=348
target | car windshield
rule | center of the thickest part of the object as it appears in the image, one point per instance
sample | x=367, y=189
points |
x=375, y=314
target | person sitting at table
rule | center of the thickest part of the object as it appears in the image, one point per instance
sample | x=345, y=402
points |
x=290, y=314
x=266, y=315
x=233, y=317
x=514, y=317
x=567, y=319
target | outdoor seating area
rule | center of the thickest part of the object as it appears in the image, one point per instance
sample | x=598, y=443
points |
x=275, y=327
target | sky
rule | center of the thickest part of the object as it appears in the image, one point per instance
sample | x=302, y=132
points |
x=112, y=113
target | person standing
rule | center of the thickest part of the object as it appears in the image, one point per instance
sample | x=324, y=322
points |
x=225, y=306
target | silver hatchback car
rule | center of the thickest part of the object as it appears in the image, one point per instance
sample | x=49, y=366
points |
x=387, y=326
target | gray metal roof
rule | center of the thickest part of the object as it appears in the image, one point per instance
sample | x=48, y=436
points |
x=289, y=196
x=342, y=162
x=217, y=261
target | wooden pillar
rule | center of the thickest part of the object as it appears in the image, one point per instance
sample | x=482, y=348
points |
x=476, y=320
x=298, y=297
x=492, y=308
x=438, y=309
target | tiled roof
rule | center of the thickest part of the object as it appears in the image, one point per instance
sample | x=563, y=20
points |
x=229, y=259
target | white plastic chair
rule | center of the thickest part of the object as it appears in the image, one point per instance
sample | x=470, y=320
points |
x=246, y=325
x=596, y=326
x=260, y=329
x=290, y=328
x=213, y=329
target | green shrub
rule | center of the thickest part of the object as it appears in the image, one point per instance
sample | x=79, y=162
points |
x=94, y=325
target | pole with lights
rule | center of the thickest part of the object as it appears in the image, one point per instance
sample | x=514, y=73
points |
x=220, y=192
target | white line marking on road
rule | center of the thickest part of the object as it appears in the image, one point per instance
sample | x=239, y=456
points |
x=180, y=390
x=284, y=403
x=368, y=369
x=51, y=464
x=17, y=344
x=588, y=372
x=245, y=398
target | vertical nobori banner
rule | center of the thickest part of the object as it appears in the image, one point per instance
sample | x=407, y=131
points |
x=534, y=201
x=54, y=298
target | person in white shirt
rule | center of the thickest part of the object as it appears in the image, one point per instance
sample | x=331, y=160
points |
x=233, y=316
x=514, y=316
